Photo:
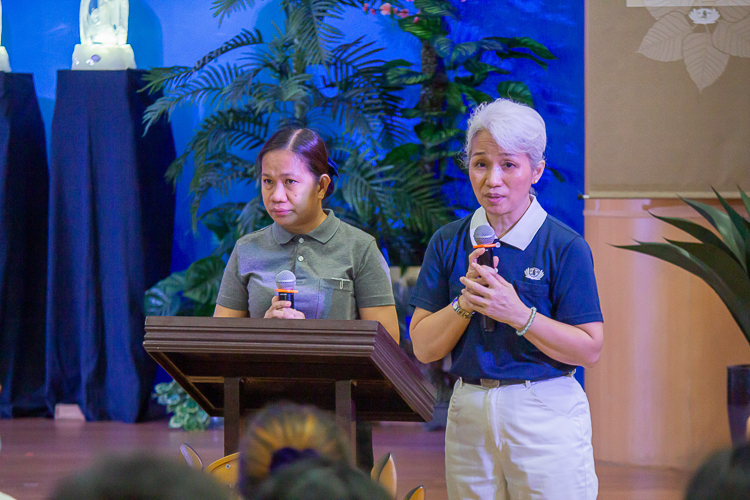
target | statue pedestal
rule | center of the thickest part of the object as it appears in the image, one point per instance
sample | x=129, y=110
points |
x=103, y=57
x=4, y=62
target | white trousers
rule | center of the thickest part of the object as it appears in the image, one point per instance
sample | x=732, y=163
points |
x=524, y=441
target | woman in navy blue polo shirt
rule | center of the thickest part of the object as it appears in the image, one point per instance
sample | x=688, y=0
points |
x=518, y=424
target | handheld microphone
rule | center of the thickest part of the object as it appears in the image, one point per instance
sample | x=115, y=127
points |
x=285, y=283
x=485, y=238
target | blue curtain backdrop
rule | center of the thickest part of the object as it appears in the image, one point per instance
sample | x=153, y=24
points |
x=111, y=218
x=23, y=247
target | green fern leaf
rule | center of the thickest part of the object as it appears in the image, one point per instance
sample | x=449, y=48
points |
x=224, y=8
x=516, y=91
x=202, y=279
x=424, y=28
x=163, y=299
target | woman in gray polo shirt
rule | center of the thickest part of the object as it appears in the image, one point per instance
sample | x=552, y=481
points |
x=340, y=272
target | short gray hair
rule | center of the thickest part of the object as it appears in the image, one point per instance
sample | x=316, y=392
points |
x=515, y=127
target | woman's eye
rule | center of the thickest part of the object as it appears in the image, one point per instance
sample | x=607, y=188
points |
x=290, y=181
x=479, y=164
x=509, y=165
x=266, y=182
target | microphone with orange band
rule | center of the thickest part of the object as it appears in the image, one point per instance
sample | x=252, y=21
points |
x=285, y=283
x=485, y=237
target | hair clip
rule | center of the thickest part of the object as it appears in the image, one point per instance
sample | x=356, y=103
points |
x=287, y=455
x=333, y=169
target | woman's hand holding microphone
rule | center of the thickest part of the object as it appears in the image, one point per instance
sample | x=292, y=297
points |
x=488, y=293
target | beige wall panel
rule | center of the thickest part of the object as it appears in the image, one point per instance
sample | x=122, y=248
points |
x=650, y=132
x=658, y=392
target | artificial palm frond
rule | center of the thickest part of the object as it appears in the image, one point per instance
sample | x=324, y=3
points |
x=721, y=259
x=232, y=128
x=271, y=97
x=314, y=36
x=160, y=78
x=167, y=78
x=219, y=132
x=206, y=88
x=421, y=211
x=364, y=187
x=246, y=38
x=252, y=217
x=364, y=100
x=224, y=8
x=217, y=173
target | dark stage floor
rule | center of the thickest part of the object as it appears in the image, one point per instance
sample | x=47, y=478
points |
x=37, y=452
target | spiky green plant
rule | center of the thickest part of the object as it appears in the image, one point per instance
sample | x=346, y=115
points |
x=721, y=258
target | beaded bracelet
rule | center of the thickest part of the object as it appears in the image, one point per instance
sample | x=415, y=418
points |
x=521, y=333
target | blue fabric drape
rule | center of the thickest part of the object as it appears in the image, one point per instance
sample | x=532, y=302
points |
x=23, y=247
x=110, y=238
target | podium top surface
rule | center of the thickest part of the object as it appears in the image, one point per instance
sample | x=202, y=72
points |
x=291, y=359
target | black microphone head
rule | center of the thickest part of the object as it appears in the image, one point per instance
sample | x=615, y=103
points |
x=484, y=235
x=286, y=280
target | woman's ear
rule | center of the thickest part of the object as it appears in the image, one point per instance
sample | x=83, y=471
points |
x=323, y=183
x=537, y=173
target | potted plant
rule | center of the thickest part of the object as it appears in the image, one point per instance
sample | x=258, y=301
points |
x=722, y=260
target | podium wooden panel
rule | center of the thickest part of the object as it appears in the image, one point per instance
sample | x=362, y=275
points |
x=234, y=365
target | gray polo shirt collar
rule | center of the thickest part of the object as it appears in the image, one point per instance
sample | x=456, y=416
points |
x=322, y=233
x=522, y=233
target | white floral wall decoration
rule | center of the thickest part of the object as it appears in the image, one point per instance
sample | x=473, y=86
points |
x=704, y=36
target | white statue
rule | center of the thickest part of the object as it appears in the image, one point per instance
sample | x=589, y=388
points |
x=4, y=62
x=104, y=21
x=104, y=36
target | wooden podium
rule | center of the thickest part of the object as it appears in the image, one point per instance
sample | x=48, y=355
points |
x=232, y=365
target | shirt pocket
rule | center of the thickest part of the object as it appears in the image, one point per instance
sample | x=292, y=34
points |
x=534, y=295
x=336, y=299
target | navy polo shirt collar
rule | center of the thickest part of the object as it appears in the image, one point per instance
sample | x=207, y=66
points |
x=522, y=233
x=322, y=233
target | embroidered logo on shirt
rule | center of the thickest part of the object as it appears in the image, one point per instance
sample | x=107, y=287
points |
x=533, y=273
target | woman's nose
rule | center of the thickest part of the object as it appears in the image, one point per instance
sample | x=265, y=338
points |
x=278, y=194
x=495, y=176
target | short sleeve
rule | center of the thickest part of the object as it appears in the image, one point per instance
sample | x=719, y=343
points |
x=233, y=292
x=372, y=283
x=432, y=291
x=575, y=295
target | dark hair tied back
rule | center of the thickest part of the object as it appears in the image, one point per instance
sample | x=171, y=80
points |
x=286, y=456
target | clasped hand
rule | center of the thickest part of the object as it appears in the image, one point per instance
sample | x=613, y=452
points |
x=490, y=294
x=282, y=309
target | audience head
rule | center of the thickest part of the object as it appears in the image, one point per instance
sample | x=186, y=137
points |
x=319, y=479
x=283, y=433
x=140, y=477
x=516, y=128
x=724, y=476
x=308, y=146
